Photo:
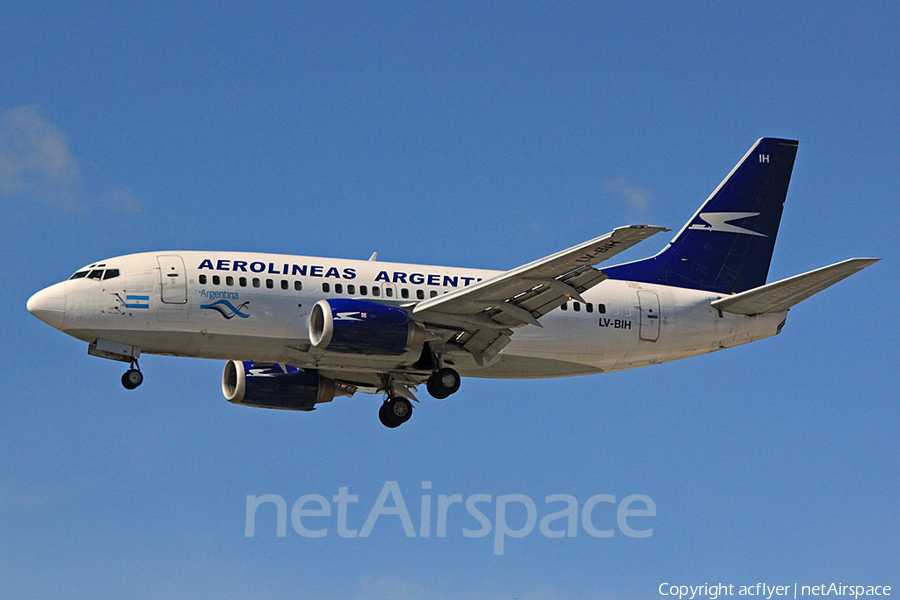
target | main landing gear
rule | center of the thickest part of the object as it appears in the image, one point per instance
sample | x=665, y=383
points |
x=397, y=410
x=443, y=383
x=132, y=377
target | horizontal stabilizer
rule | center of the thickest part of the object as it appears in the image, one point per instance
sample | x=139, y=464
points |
x=781, y=295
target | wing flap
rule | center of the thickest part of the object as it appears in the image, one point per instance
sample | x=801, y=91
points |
x=781, y=295
x=484, y=344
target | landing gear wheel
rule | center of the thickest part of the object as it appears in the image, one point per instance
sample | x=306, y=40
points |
x=385, y=418
x=395, y=412
x=443, y=383
x=132, y=378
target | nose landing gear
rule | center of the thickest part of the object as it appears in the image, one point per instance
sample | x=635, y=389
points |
x=133, y=377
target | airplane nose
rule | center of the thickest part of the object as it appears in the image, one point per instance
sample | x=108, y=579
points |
x=49, y=305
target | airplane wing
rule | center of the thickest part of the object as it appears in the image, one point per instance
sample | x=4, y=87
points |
x=781, y=295
x=489, y=310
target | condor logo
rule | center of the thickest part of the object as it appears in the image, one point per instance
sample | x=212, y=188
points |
x=349, y=316
x=719, y=222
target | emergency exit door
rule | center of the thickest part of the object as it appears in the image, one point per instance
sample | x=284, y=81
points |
x=650, y=318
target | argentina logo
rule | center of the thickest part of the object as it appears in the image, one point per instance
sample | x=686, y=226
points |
x=227, y=309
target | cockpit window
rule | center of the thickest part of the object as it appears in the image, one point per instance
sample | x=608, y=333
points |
x=110, y=273
x=78, y=275
x=96, y=274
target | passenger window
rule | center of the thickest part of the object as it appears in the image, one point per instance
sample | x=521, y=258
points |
x=256, y=282
x=242, y=282
x=601, y=308
x=96, y=274
x=433, y=294
x=270, y=284
x=351, y=289
x=284, y=284
x=376, y=291
x=110, y=273
x=79, y=275
x=202, y=279
x=389, y=292
x=404, y=293
x=326, y=287
x=339, y=288
x=420, y=294
x=363, y=290
x=229, y=280
x=589, y=307
x=216, y=280
x=576, y=307
x=298, y=286
x=565, y=306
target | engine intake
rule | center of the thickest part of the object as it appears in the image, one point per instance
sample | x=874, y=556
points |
x=361, y=327
x=267, y=385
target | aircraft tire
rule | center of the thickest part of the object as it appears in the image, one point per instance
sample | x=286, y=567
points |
x=386, y=418
x=443, y=383
x=398, y=410
x=132, y=378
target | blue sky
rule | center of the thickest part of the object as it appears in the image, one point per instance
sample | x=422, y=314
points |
x=470, y=134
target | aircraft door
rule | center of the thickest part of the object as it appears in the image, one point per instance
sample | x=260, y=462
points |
x=650, y=317
x=172, y=278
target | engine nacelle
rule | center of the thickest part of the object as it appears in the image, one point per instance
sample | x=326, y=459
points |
x=267, y=385
x=361, y=327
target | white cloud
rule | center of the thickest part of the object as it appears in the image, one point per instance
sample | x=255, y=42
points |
x=634, y=195
x=37, y=166
x=35, y=161
x=121, y=200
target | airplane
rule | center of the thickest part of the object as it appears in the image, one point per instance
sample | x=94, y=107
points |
x=298, y=331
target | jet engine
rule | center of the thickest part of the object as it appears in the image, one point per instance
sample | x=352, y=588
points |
x=361, y=327
x=267, y=385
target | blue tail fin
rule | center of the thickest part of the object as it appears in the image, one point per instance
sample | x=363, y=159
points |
x=727, y=245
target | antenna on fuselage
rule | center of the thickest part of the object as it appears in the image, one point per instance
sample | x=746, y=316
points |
x=374, y=257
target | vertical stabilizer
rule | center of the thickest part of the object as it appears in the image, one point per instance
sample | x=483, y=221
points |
x=726, y=247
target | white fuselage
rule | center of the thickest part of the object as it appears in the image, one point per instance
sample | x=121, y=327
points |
x=249, y=306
